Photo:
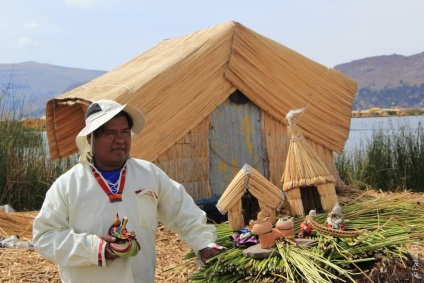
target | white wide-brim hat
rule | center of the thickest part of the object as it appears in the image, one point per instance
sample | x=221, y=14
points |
x=98, y=114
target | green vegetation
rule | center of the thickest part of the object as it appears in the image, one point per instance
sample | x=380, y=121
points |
x=389, y=161
x=26, y=172
x=392, y=225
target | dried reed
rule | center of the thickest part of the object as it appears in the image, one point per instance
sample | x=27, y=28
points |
x=249, y=179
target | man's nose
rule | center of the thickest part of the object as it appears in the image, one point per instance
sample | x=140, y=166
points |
x=119, y=138
x=121, y=135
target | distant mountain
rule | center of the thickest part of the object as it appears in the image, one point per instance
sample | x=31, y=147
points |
x=383, y=81
x=34, y=84
x=387, y=81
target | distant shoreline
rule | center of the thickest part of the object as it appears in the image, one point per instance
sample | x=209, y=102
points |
x=380, y=112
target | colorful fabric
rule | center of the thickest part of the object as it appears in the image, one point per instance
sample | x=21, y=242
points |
x=100, y=253
x=243, y=242
x=112, y=195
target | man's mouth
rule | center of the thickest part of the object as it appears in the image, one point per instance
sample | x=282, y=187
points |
x=118, y=150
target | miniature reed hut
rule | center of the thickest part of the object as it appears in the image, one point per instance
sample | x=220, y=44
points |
x=307, y=181
x=249, y=181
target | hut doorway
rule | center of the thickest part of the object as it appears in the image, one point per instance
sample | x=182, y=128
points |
x=235, y=139
x=250, y=207
x=310, y=198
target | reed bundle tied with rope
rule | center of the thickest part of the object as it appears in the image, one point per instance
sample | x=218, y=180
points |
x=303, y=166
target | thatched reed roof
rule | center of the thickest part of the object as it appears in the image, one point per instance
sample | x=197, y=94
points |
x=180, y=81
x=248, y=179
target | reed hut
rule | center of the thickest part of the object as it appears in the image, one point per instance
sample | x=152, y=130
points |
x=248, y=193
x=307, y=181
x=215, y=100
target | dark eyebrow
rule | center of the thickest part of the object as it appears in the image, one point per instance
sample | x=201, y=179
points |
x=113, y=130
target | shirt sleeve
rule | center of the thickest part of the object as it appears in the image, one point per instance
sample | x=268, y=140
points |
x=55, y=240
x=180, y=214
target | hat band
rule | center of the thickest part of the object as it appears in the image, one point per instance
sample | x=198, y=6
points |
x=94, y=108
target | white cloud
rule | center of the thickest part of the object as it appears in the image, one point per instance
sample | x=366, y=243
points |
x=31, y=26
x=24, y=42
x=83, y=3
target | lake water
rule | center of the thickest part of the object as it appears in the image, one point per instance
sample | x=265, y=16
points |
x=361, y=129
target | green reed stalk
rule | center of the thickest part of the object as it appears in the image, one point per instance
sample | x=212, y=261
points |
x=392, y=224
x=26, y=171
x=390, y=160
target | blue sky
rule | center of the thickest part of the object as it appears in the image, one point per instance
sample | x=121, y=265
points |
x=103, y=34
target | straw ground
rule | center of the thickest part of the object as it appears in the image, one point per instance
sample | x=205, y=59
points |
x=26, y=265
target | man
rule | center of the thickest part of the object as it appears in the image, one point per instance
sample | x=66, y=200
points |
x=72, y=226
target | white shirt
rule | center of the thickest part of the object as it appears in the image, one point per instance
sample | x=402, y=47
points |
x=76, y=210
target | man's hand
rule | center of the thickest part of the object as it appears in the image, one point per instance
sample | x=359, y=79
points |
x=109, y=254
x=208, y=253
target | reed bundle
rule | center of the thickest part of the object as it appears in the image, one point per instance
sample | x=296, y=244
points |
x=393, y=223
x=18, y=223
x=233, y=193
x=295, y=203
x=235, y=216
x=303, y=166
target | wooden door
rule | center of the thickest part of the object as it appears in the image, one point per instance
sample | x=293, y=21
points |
x=235, y=139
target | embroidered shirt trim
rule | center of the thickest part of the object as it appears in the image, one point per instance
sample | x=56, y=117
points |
x=110, y=192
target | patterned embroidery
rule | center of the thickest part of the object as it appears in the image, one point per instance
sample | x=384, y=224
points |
x=99, y=254
x=113, y=197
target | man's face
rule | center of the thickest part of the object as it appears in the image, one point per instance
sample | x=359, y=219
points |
x=112, y=145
